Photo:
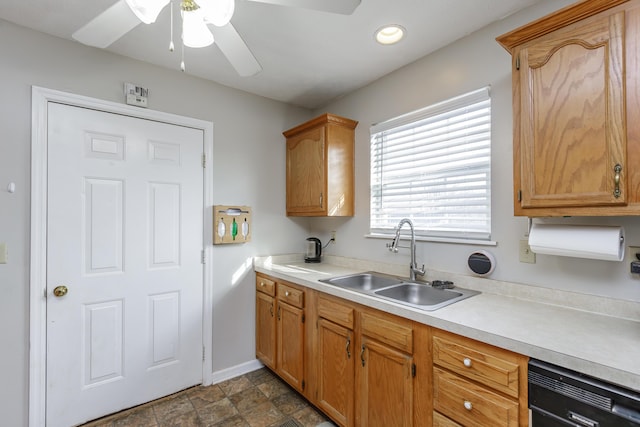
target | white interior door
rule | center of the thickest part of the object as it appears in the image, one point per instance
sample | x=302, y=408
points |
x=124, y=236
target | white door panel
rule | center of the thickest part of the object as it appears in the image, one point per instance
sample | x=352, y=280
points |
x=125, y=233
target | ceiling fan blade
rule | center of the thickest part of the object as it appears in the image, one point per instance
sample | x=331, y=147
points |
x=108, y=27
x=236, y=50
x=343, y=7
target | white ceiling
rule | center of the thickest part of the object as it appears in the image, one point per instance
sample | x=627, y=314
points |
x=308, y=57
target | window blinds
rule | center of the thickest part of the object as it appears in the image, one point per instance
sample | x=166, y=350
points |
x=434, y=167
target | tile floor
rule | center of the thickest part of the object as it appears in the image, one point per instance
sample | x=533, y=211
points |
x=256, y=399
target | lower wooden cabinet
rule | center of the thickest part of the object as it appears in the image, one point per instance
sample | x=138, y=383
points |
x=476, y=384
x=386, y=371
x=280, y=331
x=366, y=368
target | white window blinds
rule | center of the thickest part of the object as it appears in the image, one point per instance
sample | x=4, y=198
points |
x=434, y=167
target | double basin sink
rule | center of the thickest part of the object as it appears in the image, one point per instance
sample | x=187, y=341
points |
x=417, y=295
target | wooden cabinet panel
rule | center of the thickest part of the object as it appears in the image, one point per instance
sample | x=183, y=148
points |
x=470, y=404
x=336, y=356
x=266, y=329
x=440, y=420
x=320, y=167
x=266, y=285
x=306, y=172
x=484, y=364
x=330, y=309
x=291, y=295
x=290, y=350
x=386, y=386
x=574, y=110
x=392, y=331
x=572, y=116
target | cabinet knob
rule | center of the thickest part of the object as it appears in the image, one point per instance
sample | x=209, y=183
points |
x=467, y=362
x=467, y=405
x=286, y=293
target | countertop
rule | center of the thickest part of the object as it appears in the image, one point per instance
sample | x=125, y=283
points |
x=511, y=316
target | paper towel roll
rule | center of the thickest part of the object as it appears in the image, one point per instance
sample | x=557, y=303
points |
x=593, y=242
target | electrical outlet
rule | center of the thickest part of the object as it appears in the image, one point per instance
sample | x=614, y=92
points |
x=526, y=255
x=333, y=237
x=631, y=253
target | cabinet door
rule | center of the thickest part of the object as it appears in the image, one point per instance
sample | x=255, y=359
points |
x=571, y=86
x=266, y=329
x=336, y=375
x=386, y=386
x=290, y=352
x=306, y=172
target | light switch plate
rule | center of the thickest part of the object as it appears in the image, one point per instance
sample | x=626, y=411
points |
x=526, y=255
x=3, y=253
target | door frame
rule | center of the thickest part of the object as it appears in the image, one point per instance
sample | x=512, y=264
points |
x=40, y=98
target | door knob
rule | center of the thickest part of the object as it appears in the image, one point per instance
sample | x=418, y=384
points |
x=60, y=291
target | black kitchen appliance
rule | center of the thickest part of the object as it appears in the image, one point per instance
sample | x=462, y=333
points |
x=560, y=397
x=314, y=250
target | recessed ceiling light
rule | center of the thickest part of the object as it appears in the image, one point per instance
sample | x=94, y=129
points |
x=389, y=34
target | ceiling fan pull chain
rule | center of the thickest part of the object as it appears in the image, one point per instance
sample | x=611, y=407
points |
x=171, y=46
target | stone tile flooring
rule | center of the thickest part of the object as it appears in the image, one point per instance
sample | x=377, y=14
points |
x=256, y=399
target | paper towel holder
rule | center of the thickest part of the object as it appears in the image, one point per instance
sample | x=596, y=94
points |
x=530, y=224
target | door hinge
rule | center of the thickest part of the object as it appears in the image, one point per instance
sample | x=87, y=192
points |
x=413, y=370
x=519, y=195
x=303, y=384
x=202, y=257
x=203, y=353
x=518, y=62
x=204, y=160
x=303, y=318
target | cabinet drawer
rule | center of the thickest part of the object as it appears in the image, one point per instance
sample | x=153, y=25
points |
x=440, y=420
x=291, y=295
x=395, y=332
x=470, y=404
x=265, y=285
x=336, y=312
x=491, y=366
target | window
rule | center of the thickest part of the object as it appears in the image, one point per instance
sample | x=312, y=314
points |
x=433, y=166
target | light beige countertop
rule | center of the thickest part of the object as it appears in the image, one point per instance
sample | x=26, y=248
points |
x=597, y=336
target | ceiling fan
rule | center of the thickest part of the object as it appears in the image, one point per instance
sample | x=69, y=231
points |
x=125, y=15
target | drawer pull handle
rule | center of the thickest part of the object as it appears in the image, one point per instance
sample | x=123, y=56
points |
x=467, y=405
x=286, y=293
x=262, y=284
x=348, y=347
x=467, y=362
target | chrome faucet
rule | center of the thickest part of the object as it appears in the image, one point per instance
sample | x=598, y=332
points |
x=393, y=247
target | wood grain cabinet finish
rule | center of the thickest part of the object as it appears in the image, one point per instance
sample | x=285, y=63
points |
x=575, y=108
x=386, y=371
x=478, y=384
x=280, y=331
x=336, y=360
x=320, y=168
x=265, y=321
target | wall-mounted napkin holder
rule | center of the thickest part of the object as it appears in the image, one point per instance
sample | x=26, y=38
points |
x=231, y=224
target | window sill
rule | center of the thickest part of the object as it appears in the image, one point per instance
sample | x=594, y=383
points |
x=435, y=239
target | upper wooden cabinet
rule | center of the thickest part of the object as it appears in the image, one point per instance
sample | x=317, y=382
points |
x=575, y=109
x=320, y=172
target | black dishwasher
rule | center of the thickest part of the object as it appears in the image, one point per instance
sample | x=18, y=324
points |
x=560, y=397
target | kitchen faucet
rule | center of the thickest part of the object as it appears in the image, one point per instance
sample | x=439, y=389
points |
x=393, y=247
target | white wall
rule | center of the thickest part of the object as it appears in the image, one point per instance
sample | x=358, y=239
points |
x=471, y=63
x=247, y=138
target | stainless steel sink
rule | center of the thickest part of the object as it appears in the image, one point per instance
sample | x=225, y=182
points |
x=363, y=281
x=418, y=295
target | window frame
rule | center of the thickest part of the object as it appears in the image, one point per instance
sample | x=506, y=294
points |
x=420, y=117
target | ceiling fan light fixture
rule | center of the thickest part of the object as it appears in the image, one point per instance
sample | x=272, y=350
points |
x=194, y=31
x=217, y=12
x=147, y=10
x=389, y=34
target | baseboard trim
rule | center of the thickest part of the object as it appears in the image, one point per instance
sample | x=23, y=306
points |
x=234, y=371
